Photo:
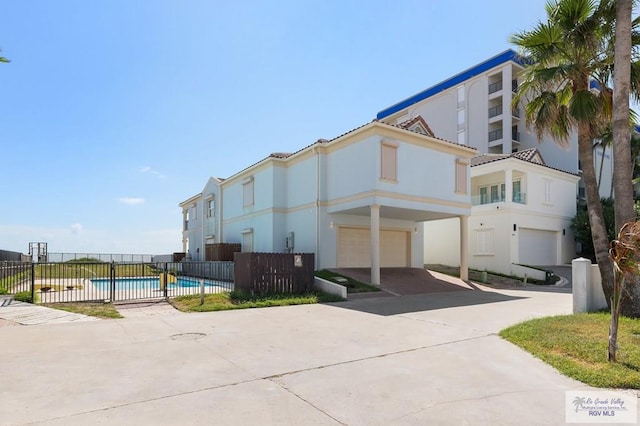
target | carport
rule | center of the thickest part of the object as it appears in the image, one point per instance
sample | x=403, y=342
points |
x=370, y=245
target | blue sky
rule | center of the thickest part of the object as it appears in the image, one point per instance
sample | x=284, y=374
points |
x=114, y=111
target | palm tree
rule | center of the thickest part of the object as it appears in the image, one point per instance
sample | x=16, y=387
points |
x=622, y=154
x=3, y=59
x=567, y=52
x=623, y=187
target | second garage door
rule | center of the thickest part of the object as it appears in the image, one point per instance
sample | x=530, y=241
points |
x=538, y=247
x=354, y=248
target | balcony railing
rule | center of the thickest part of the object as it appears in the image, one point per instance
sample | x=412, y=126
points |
x=495, y=135
x=495, y=111
x=517, y=197
x=495, y=87
x=479, y=200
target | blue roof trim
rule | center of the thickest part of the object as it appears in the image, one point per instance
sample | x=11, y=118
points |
x=506, y=56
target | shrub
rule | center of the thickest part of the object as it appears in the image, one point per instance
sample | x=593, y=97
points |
x=85, y=260
x=23, y=296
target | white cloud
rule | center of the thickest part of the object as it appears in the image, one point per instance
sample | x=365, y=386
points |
x=132, y=201
x=150, y=170
x=76, y=228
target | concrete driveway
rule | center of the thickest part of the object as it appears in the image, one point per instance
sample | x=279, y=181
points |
x=421, y=359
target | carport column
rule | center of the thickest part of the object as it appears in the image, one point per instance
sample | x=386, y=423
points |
x=464, y=248
x=375, y=244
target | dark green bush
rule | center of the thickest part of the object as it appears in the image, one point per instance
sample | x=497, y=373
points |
x=23, y=296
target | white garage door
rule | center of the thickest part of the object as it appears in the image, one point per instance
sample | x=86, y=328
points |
x=538, y=247
x=354, y=248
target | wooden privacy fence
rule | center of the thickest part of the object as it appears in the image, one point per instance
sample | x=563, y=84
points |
x=221, y=252
x=271, y=273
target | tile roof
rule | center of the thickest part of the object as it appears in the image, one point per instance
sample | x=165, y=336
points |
x=284, y=155
x=531, y=155
x=417, y=119
x=281, y=155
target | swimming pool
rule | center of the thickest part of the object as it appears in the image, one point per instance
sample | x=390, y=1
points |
x=152, y=283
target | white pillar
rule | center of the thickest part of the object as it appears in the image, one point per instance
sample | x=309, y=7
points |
x=508, y=186
x=464, y=248
x=375, y=244
x=580, y=280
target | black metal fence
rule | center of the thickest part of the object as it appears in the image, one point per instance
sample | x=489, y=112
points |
x=14, y=276
x=101, y=281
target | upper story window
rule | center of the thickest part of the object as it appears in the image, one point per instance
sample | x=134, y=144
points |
x=492, y=193
x=247, y=192
x=211, y=208
x=460, y=95
x=389, y=161
x=461, y=176
x=517, y=195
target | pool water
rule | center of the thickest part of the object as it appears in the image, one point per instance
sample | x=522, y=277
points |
x=150, y=283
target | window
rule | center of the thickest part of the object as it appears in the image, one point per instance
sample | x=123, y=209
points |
x=517, y=191
x=484, y=241
x=460, y=95
x=461, y=137
x=494, y=194
x=211, y=208
x=547, y=191
x=389, y=161
x=247, y=192
x=483, y=195
x=461, y=176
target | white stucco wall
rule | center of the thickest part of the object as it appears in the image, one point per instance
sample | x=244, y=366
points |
x=422, y=172
x=442, y=242
x=314, y=192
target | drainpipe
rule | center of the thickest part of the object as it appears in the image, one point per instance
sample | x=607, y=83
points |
x=184, y=240
x=203, y=251
x=317, y=265
x=219, y=204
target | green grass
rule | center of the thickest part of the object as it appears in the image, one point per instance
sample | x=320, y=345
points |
x=89, y=270
x=576, y=345
x=239, y=300
x=100, y=310
x=25, y=296
x=353, y=286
